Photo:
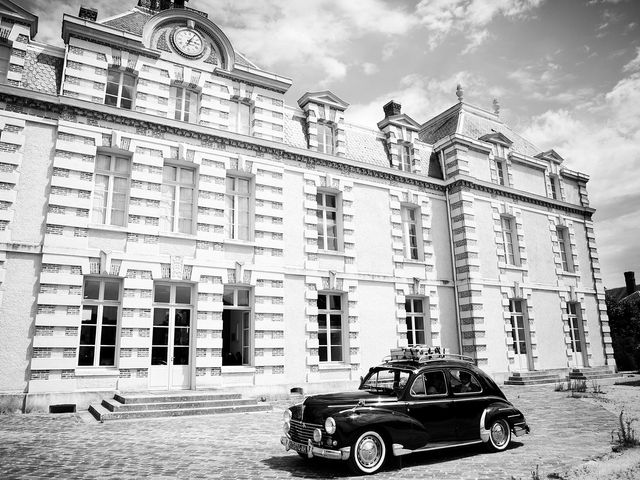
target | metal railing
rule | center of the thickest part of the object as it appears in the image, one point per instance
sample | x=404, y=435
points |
x=423, y=353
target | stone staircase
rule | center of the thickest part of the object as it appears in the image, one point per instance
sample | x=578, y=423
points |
x=173, y=404
x=592, y=373
x=533, y=378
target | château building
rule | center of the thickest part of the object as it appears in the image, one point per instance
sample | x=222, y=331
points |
x=168, y=222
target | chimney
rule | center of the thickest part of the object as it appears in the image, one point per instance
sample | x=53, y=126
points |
x=391, y=108
x=630, y=281
x=88, y=13
x=178, y=3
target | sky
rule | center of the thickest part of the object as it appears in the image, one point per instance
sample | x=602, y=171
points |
x=565, y=72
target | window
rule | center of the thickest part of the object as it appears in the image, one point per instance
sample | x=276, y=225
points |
x=120, y=89
x=502, y=173
x=326, y=138
x=236, y=326
x=5, y=55
x=111, y=189
x=574, y=327
x=565, y=248
x=518, y=329
x=429, y=383
x=238, y=208
x=99, y=328
x=510, y=240
x=178, y=193
x=404, y=157
x=185, y=103
x=327, y=214
x=553, y=181
x=416, y=332
x=171, y=334
x=463, y=381
x=330, y=336
x=240, y=117
x=410, y=228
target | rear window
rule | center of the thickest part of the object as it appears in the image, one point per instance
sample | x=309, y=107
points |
x=463, y=381
x=429, y=383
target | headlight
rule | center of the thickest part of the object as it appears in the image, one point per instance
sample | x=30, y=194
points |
x=330, y=425
x=286, y=416
x=286, y=426
x=317, y=435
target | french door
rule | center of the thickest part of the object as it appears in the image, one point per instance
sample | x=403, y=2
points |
x=171, y=337
x=521, y=336
x=576, y=331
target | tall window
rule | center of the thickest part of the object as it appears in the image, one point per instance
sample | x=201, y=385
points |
x=120, y=89
x=410, y=231
x=330, y=336
x=417, y=333
x=326, y=138
x=238, y=208
x=327, y=214
x=574, y=327
x=178, y=192
x=111, y=189
x=98, y=331
x=510, y=239
x=171, y=334
x=553, y=181
x=240, y=117
x=565, y=248
x=518, y=328
x=236, y=326
x=404, y=157
x=502, y=172
x=5, y=55
x=185, y=104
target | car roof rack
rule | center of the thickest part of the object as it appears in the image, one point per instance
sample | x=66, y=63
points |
x=423, y=354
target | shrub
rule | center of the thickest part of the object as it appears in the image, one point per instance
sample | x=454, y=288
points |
x=626, y=434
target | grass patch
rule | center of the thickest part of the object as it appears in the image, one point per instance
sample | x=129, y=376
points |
x=625, y=436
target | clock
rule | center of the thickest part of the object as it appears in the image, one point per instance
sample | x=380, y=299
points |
x=188, y=42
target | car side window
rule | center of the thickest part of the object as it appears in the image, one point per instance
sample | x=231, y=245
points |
x=429, y=383
x=463, y=381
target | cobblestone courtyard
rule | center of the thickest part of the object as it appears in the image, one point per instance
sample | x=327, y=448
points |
x=565, y=431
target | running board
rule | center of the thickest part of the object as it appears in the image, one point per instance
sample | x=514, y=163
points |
x=399, y=450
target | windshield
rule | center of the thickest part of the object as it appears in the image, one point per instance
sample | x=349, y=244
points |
x=386, y=380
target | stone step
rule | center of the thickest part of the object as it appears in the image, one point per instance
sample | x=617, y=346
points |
x=532, y=381
x=603, y=369
x=533, y=374
x=592, y=376
x=165, y=397
x=102, y=414
x=114, y=405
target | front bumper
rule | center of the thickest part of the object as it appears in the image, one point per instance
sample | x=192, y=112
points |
x=520, y=429
x=311, y=450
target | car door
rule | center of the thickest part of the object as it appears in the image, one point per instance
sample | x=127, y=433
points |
x=429, y=402
x=468, y=403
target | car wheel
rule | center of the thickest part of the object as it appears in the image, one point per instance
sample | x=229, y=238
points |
x=368, y=453
x=499, y=435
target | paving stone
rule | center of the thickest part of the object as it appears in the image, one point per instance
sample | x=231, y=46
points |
x=565, y=432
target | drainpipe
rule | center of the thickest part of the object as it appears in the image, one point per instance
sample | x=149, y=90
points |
x=453, y=255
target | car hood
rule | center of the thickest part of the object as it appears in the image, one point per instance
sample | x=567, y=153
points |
x=318, y=407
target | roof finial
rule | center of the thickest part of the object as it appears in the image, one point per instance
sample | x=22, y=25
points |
x=496, y=106
x=460, y=93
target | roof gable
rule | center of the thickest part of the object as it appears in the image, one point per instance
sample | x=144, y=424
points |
x=496, y=137
x=324, y=97
x=402, y=120
x=14, y=12
x=550, y=155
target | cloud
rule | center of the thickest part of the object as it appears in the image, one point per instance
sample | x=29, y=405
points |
x=370, y=68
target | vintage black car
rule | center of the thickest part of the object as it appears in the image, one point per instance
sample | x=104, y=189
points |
x=417, y=400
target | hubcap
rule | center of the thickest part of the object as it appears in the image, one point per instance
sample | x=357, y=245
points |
x=369, y=451
x=499, y=434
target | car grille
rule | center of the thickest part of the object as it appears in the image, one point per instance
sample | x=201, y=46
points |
x=302, y=432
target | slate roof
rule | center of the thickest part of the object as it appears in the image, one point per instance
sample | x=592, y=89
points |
x=620, y=293
x=132, y=22
x=42, y=72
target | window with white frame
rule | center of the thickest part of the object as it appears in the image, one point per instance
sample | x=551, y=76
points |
x=178, y=195
x=238, y=211
x=553, y=182
x=111, y=188
x=327, y=214
x=99, y=327
x=574, y=326
x=240, y=116
x=501, y=169
x=510, y=240
x=236, y=326
x=411, y=230
x=519, y=329
x=565, y=248
x=5, y=55
x=121, y=88
x=185, y=104
x=326, y=138
x=330, y=327
x=404, y=157
x=418, y=331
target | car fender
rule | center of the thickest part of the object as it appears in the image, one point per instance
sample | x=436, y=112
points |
x=395, y=424
x=494, y=411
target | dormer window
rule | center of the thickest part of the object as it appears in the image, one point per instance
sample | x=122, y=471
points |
x=326, y=138
x=121, y=88
x=553, y=182
x=501, y=169
x=185, y=103
x=5, y=54
x=404, y=157
x=240, y=116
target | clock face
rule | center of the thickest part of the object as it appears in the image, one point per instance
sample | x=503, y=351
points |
x=188, y=42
